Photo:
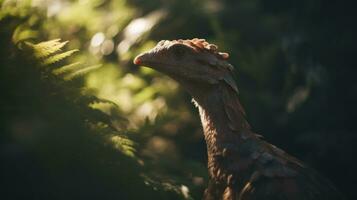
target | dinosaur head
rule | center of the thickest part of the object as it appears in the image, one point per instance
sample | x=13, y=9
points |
x=187, y=60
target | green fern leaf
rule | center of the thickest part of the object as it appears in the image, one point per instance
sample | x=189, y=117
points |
x=92, y=99
x=44, y=49
x=67, y=68
x=123, y=144
x=82, y=72
x=58, y=57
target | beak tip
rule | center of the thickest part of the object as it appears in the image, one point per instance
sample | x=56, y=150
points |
x=137, y=61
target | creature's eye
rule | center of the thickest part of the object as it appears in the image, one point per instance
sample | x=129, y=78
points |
x=179, y=51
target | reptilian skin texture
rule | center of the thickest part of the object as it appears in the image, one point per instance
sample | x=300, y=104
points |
x=241, y=165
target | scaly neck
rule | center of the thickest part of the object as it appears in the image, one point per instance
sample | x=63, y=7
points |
x=224, y=125
x=222, y=117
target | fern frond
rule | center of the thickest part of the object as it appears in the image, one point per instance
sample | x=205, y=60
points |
x=58, y=57
x=44, y=49
x=123, y=144
x=67, y=68
x=92, y=99
x=82, y=72
x=47, y=54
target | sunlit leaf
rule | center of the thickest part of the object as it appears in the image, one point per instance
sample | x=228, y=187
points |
x=44, y=49
x=58, y=57
x=82, y=71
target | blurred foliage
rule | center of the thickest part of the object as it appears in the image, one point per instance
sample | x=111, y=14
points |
x=86, y=123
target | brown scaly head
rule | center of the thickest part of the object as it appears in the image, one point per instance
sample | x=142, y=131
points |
x=194, y=61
